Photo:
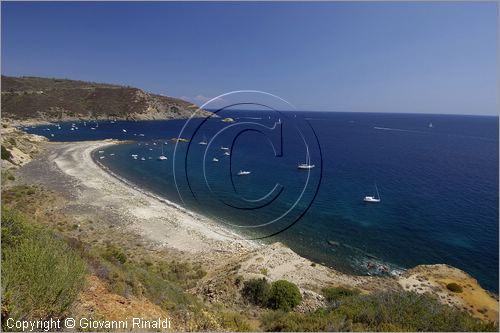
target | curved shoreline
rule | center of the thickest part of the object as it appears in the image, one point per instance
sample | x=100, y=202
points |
x=389, y=269
x=161, y=199
x=156, y=219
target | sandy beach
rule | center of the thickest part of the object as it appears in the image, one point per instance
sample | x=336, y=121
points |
x=101, y=195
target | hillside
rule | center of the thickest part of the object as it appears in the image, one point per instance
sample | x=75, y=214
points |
x=46, y=99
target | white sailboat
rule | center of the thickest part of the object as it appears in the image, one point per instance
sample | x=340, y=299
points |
x=215, y=159
x=162, y=157
x=307, y=165
x=371, y=198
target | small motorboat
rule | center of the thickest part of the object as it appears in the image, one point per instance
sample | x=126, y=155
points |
x=243, y=173
x=307, y=165
x=215, y=159
x=204, y=141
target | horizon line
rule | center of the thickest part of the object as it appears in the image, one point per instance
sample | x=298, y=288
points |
x=177, y=97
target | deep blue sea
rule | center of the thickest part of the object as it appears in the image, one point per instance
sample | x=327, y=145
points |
x=437, y=177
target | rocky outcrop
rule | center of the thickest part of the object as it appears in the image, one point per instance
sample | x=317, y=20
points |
x=435, y=278
x=21, y=147
x=276, y=261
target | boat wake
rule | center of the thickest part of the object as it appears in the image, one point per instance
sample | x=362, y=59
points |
x=396, y=129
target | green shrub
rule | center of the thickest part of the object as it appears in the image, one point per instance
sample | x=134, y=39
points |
x=113, y=252
x=333, y=294
x=6, y=155
x=256, y=291
x=283, y=295
x=235, y=322
x=41, y=274
x=456, y=288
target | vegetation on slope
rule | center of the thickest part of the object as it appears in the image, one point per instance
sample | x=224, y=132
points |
x=41, y=274
x=34, y=98
x=381, y=311
x=129, y=272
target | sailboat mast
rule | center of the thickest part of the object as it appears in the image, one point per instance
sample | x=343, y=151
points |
x=376, y=189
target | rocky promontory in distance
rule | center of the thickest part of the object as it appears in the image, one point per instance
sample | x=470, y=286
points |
x=35, y=99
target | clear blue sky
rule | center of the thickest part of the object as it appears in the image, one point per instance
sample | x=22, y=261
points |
x=380, y=57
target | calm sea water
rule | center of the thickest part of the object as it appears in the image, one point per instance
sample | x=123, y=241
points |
x=437, y=176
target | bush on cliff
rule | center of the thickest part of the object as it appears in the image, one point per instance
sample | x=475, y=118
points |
x=456, y=288
x=6, y=155
x=333, y=294
x=283, y=295
x=256, y=291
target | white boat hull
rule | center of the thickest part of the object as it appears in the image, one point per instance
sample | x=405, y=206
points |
x=371, y=199
x=305, y=166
